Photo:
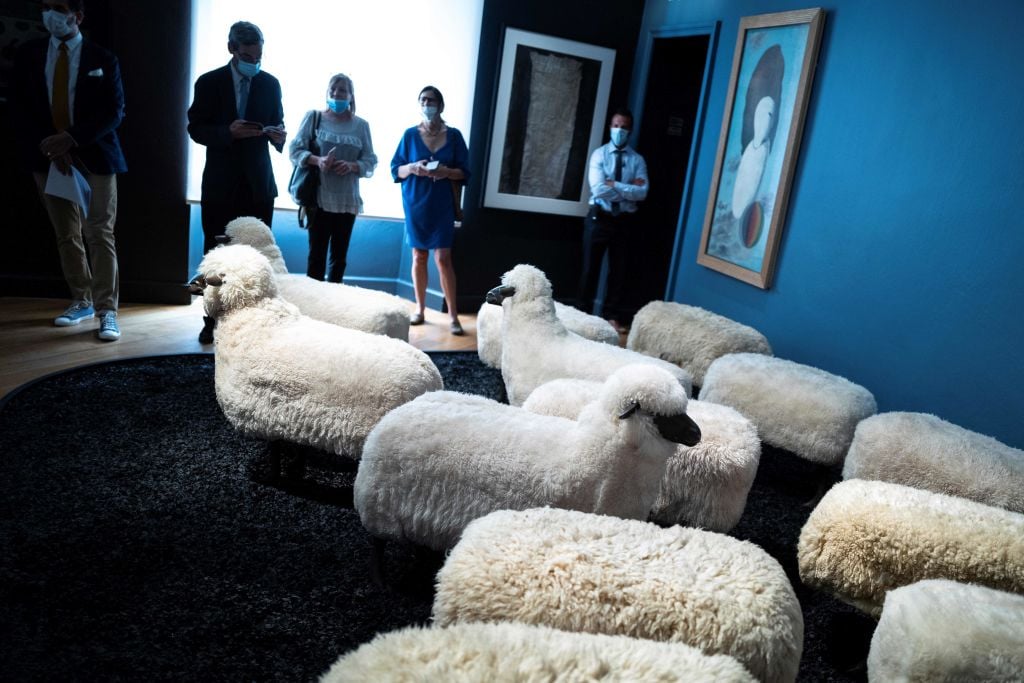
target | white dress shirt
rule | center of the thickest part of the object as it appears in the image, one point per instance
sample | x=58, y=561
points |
x=602, y=168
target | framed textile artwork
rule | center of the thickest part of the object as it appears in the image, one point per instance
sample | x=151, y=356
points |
x=550, y=108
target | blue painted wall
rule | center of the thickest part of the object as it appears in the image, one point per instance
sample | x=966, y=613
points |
x=898, y=264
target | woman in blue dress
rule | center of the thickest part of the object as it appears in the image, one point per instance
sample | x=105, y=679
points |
x=429, y=157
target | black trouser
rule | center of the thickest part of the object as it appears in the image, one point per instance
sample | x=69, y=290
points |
x=603, y=232
x=218, y=212
x=334, y=229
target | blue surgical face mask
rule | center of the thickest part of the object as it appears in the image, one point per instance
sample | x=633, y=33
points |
x=59, y=25
x=338, y=106
x=429, y=111
x=247, y=69
x=620, y=136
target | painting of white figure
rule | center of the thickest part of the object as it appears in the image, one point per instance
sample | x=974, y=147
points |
x=768, y=96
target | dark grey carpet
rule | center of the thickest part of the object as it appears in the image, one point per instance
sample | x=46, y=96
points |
x=137, y=541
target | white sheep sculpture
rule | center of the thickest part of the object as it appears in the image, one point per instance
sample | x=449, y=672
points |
x=521, y=652
x=926, y=452
x=946, y=631
x=537, y=348
x=357, y=308
x=281, y=375
x=705, y=485
x=435, y=464
x=868, y=537
x=597, y=574
x=488, y=329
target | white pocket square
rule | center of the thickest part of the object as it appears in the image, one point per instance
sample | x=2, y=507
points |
x=96, y=72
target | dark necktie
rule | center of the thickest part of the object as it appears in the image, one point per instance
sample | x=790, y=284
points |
x=243, y=96
x=618, y=177
x=59, y=101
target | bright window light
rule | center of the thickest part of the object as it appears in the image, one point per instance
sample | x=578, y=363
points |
x=390, y=49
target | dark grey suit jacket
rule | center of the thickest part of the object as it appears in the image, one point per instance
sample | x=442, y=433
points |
x=230, y=162
x=98, y=108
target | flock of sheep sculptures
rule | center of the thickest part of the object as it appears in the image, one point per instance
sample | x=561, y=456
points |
x=545, y=504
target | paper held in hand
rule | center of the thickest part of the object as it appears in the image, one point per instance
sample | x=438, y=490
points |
x=72, y=187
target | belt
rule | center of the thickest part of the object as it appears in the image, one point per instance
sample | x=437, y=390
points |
x=596, y=210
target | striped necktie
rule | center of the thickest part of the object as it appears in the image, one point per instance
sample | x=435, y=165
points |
x=243, y=96
x=59, y=100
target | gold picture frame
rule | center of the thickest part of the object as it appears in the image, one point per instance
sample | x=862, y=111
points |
x=772, y=72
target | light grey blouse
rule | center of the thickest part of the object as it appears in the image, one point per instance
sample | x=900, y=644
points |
x=351, y=142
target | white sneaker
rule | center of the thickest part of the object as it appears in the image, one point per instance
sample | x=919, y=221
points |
x=108, y=326
x=74, y=314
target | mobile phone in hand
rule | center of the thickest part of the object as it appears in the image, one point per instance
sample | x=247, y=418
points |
x=432, y=165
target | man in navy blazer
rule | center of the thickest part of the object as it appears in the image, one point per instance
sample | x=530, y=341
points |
x=68, y=102
x=236, y=114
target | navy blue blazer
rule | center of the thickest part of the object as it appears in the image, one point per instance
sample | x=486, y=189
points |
x=98, y=107
x=228, y=161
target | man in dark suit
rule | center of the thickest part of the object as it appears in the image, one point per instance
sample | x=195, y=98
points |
x=68, y=103
x=236, y=111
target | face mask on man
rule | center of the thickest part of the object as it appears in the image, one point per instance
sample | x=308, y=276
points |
x=429, y=111
x=248, y=69
x=620, y=136
x=58, y=24
x=338, y=106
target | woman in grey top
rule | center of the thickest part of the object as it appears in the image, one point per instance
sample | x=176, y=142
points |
x=345, y=154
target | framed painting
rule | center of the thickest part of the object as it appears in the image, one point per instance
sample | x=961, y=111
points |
x=549, y=115
x=769, y=88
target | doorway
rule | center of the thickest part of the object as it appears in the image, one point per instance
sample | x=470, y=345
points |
x=671, y=108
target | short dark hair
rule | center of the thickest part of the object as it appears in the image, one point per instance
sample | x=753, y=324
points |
x=76, y=5
x=244, y=33
x=437, y=94
x=622, y=111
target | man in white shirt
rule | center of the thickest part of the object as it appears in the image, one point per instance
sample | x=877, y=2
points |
x=618, y=182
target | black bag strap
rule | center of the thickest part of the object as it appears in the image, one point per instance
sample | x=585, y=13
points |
x=314, y=145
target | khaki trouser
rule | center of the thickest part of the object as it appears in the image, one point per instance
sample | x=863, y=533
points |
x=98, y=284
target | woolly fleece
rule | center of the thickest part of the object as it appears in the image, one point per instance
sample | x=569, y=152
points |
x=949, y=632
x=691, y=337
x=488, y=329
x=356, y=308
x=868, y=537
x=470, y=653
x=432, y=466
x=282, y=375
x=802, y=409
x=704, y=485
x=537, y=348
x=581, y=572
x=929, y=453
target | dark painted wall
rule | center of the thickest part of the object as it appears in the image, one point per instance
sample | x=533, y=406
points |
x=152, y=221
x=492, y=241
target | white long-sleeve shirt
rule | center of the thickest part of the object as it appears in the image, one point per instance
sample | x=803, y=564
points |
x=602, y=168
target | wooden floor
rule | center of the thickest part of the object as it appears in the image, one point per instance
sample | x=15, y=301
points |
x=31, y=346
